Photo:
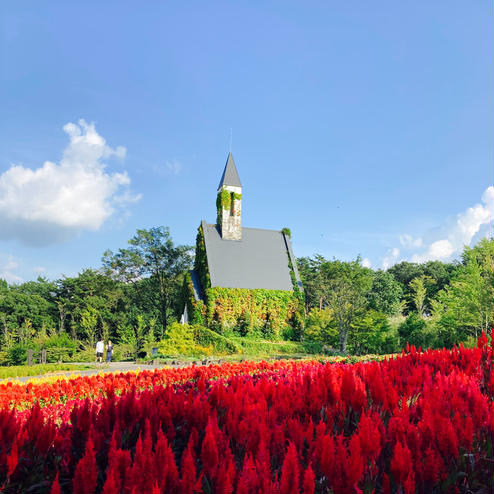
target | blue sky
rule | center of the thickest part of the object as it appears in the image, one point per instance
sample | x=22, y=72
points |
x=365, y=127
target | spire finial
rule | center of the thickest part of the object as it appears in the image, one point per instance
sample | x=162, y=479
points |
x=230, y=139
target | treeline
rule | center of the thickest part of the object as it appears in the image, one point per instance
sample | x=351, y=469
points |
x=137, y=293
x=434, y=304
x=130, y=300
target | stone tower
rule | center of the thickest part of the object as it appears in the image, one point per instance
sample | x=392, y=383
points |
x=229, y=202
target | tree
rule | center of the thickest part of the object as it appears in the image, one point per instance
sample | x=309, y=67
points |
x=385, y=293
x=372, y=333
x=413, y=331
x=89, y=321
x=134, y=335
x=310, y=274
x=94, y=291
x=418, y=288
x=465, y=306
x=404, y=272
x=152, y=254
x=346, y=285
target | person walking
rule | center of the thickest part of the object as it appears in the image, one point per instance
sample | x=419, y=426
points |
x=109, y=351
x=100, y=346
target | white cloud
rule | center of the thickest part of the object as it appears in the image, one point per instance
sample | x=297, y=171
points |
x=7, y=268
x=450, y=240
x=366, y=263
x=54, y=202
x=390, y=258
x=408, y=241
x=438, y=250
x=39, y=270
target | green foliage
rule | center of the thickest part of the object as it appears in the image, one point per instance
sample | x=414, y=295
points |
x=135, y=336
x=418, y=287
x=385, y=294
x=464, y=307
x=310, y=272
x=89, y=321
x=267, y=348
x=373, y=333
x=321, y=327
x=441, y=274
x=201, y=261
x=346, y=285
x=59, y=347
x=414, y=331
x=207, y=338
x=286, y=231
x=17, y=354
x=153, y=254
x=340, y=286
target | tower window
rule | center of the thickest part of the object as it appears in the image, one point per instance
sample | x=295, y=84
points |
x=232, y=203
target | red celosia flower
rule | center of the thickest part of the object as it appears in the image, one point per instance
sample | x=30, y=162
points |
x=164, y=461
x=409, y=484
x=309, y=481
x=112, y=483
x=209, y=451
x=290, y=472
x=248, y=480
x=433, y=466
x=188, y=480
x=355, y=462
x=86, y=472
x=55, y=487
x=401, y=462
x=12, y=459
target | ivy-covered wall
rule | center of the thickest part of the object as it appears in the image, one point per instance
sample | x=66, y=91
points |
x=252, y=309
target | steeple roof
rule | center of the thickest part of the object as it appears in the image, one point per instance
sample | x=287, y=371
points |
x=230, y=174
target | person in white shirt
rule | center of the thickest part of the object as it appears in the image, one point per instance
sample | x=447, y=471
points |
x=100, y=346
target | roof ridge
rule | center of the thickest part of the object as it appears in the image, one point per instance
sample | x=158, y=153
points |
x=249, y=228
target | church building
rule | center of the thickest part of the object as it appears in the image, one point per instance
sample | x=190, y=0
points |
x=243, y=278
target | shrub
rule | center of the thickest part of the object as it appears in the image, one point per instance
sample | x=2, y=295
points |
x=413, y=331
x=373, y=333
x=17, y=354
x=205, y=337
x=194, y=340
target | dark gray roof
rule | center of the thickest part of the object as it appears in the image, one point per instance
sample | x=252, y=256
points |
x=230, y=174
x=259, y=260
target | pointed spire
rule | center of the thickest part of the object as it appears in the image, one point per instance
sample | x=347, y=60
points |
x=230, y=174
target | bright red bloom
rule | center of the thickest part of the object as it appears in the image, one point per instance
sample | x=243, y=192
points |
x=401, y=463
x=55, y=487
x=86, y=472
x=309, y=483
x=290, y=472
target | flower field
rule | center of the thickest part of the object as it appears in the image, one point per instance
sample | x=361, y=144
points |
x=422, y=422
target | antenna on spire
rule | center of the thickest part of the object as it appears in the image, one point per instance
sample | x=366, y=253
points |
x=230, y=139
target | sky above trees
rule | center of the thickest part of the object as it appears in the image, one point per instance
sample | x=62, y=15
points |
x=365, y=128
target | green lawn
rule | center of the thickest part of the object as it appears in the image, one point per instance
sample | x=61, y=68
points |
x=36, y=370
